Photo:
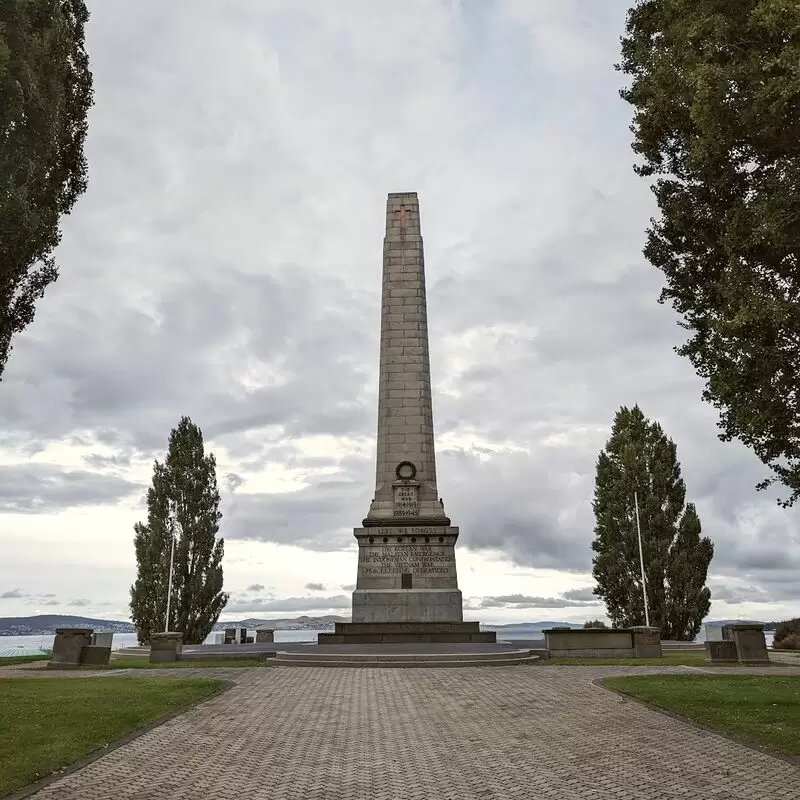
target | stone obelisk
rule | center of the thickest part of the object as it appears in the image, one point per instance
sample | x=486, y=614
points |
x=407, y=587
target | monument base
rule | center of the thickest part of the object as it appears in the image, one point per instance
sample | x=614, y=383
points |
x=406, y=633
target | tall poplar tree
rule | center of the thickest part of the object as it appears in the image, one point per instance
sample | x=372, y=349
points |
x=715, y=88
x=45, y=96
x=183, y=499
x=640, y=458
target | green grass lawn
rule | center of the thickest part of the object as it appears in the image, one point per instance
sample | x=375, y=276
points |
x=688, y=658
x=764, y=710
x=8, y=660
x=47, y=724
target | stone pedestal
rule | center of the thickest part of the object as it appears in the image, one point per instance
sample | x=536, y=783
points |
x=751, y=646
x=265, y=636
x=95, y=655
x=67, y=647
x=406, y=633
x=165, y=647
x=646, y=642
x=721, y=652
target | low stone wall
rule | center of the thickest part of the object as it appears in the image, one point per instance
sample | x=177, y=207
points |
x=639, y=642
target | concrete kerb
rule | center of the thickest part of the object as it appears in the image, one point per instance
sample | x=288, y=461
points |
x=94, y=755
x=758, y=748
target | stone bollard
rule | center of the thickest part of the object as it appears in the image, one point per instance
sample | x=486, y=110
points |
x=67, y=647
x=646, y=642
x=265, y=635
x=165, y=647
x=751, y=646
x=721, y=652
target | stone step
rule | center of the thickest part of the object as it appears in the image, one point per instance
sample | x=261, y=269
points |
x=462, y=659
x=407, y=656
x=341, y=663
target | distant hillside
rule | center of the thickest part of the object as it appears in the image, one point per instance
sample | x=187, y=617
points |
x=303, y=623
x=532, y=626
x=47, y=623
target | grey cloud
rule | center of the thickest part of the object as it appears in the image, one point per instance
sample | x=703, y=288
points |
x=583, y=595
x=348, y=587
x=315, y=587
x=318, y=517
x=255, y=587
x=102, y=462
x=288, y=604
x=12, y=593
x=51, y=603
x=80, y=602
x=740, y=594
x=46, y=488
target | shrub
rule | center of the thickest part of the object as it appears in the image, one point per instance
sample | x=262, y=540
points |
x=787, y=635
x=594, y=623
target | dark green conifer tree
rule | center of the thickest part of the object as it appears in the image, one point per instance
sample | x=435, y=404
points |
x=183, y=499
x=640, y=458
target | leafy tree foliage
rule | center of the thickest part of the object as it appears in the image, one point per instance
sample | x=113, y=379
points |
x=787, y=635
x=594, y=623
x=183, y=498
x=45, y=95
x=716, y=90
x=640, y=458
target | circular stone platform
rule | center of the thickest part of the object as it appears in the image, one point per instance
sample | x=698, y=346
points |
x=405, y=655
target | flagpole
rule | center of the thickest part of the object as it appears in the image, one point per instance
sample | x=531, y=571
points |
x=171, y=565
x=641, y=561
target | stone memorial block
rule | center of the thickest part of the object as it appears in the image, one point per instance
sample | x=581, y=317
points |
x=722, y=651
x=165, y=647
x=230, y=635
x=95, y=655
x=265, y=635
x=67, y=647
x=647, y=642
x=751, y=645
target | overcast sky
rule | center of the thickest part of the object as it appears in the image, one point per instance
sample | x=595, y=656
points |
x=225, y=263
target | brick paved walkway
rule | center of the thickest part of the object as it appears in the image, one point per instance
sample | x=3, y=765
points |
x=438, y=734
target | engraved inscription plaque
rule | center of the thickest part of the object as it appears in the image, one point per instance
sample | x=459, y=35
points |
x=391, y=559
x=406, y=501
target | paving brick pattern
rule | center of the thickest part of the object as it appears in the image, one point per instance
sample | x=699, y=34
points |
x=458, y=734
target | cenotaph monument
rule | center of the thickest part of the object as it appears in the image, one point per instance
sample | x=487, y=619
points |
x=407, y=586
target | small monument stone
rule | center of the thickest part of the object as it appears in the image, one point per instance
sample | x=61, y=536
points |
x=67, y=647
x=165, y=647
